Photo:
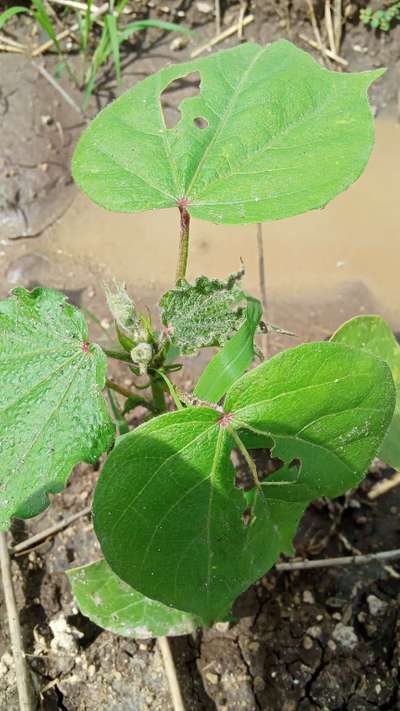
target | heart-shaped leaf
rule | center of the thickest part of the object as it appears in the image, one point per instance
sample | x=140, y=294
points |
x=171, y=521
x=52, y=412
x=374, y=335
x=114, y=605
x=282, y=136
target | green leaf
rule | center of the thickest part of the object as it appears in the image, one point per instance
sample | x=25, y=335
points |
x=112, y=604
x=232, y=360
x=204, y=314
x=374, y=335
x=284, y=136
x=8, y=14
x=169, y=518
x=52, y=412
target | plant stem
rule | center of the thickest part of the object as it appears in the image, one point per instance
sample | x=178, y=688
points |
x=21, y=669
x=158, y=395
x=183, y=244
x=261, y=278
x=119, y=389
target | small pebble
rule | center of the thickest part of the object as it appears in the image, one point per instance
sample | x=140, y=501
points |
x=375, y=605
x=345, y=636
x=204, y=7
x=307, y=642
x=308, y=597
x=212, y=678
x=315, y=632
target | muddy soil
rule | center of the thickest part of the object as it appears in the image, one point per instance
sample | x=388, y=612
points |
x=312, y=640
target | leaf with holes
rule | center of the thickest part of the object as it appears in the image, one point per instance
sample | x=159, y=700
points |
x=52, y=412
x=280, y=136
x=169, y=518
x=112, y=604
x=204, y=314
x=374, y=335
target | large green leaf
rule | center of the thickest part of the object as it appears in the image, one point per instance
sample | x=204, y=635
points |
x=206, y=313
x=374, y=335
x=232, y=360
x=114, y=605
x=166, y=510
x=284, y=136
x=52, y=412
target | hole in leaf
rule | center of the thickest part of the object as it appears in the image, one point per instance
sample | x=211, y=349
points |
x=200, y=122
x=174, y=93
x=295, y=464
x=246, y=517
x=265, y=463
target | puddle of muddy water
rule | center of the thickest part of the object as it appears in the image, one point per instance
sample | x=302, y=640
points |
x=346, y=256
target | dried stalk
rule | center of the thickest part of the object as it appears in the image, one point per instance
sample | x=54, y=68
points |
x=47, y=532
x=21, y=669
x=170, y=671
x=383, y=486
x=329, y=26
x=338, y=562
x=328, y=52
x=221, y=37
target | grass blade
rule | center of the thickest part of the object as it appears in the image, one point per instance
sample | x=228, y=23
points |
x=133, y=27
x=8, y=14
x=111, y=24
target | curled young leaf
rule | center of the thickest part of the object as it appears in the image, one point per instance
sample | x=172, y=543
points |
x=114, y=605
x=206, y=313
x=52, y=411
x=171, y=521
x=374, y=335
x=279, y=136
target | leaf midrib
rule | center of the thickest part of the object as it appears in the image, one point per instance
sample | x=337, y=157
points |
x=224, y=120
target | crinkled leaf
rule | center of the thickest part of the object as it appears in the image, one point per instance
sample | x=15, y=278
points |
x=284, y=136
x=52, y=412
x=167, y=512
x=374, y=335
x=232, y=360
x=205, y=313
x=112, y=604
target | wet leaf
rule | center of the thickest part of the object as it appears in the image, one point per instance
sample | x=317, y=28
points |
x=112, y=604
x=374, y=335
x=282, y=136
x=167, y=513
x=232, y=360
x=205, y=313
x=52, y=412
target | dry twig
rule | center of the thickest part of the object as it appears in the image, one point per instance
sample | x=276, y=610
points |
x=21, y=669
x=50, y=531
x=221, y=37
x=62, y=35
x=338, y=23
x=335, y=562
x=218, y=16
x=170, y=671
x=317, y=34
x=383, y=486
x=54, y=83
x=329, y=26
x=331, y=55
